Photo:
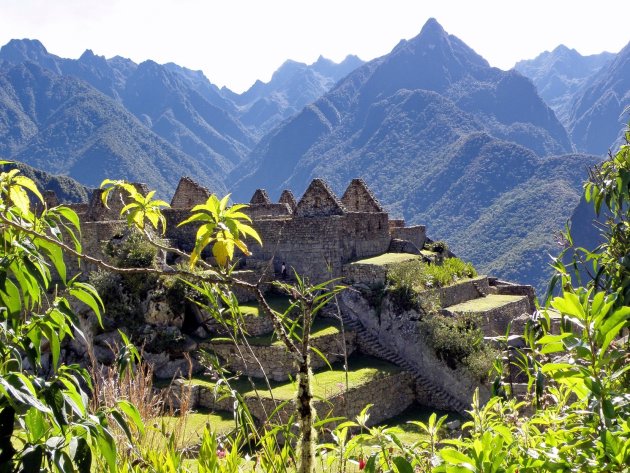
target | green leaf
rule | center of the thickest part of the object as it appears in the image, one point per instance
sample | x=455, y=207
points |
x=27, y=183
x=55, y=253
x=107, y=448
x=621, y=314
x=122, y=423
x=10, y=297
x=35, y=425
x=569, y=304
x=402, y=465
x=19, y=198
x=455, y=457
x=81, y=454
x=88, y=295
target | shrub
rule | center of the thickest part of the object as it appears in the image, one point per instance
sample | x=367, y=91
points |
x=418, y=275
x=437, y=246
x=458, y=341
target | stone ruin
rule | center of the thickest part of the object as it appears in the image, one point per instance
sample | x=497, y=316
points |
x=322, y=237
x=315, y=236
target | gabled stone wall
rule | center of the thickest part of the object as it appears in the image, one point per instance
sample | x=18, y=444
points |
x=189, y=194
x=316, y=236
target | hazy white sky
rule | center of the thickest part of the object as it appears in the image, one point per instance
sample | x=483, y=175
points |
x=236, y=42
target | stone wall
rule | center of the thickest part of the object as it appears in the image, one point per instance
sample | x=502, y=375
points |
x=416, y=234
x=369, y=274
x=318, y=247
x=358, y=198
x=458, y=292
x=319, y=201
x=94, y=237
x=279, y=364
x=269, y=210
x=188, y=194
x=401, y=333
x=183, y=237
x=512, y=289
x=390, y=394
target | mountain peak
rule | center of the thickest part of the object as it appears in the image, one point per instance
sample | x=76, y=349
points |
x=25, y=46
x=432, y=29
x=18, y=51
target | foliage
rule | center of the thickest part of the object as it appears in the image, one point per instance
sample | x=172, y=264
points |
x=45, y=420
x=222, y=226
x=418, y=275
x=458, y=341
x=123, y=294
x=406, y=278
x=609, y=187
x=437, y=246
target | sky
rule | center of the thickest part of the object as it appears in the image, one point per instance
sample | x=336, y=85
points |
x=236, y=42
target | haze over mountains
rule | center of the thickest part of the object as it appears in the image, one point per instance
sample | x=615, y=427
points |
x=489, y=160
x=93, y=117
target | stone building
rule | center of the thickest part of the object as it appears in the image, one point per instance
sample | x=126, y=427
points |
x=320, y=233
x=315, y=236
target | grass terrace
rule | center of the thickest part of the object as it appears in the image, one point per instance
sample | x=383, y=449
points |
x=326, y=383
x=387, y=259
x=322, y=327
x=277, y=303
x=482, y=304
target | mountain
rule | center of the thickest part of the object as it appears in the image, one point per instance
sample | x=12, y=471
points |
x=444, y=140
x=67, y=190
x=182, y=116
x=174, y=102
x=598, y=113
x=62, y=125
x=559, y=74
x=293, y=86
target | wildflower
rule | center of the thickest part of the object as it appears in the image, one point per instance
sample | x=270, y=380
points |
x=220, y=453
x=361, y=463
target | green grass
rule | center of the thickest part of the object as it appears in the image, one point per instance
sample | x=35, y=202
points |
x=412, y=433
x=326, y=383
x=322, y=327
x=483, y=304
x=387, y=259
x=277, y=303
x=189, y=430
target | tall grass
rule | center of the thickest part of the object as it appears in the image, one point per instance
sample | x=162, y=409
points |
x=416, y=275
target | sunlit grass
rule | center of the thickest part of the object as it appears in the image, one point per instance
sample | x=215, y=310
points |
x=482, y=304
x=388, y=258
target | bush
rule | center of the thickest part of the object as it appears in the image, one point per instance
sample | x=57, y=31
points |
x=437, y=246
x=418, y=275
x=458, y=341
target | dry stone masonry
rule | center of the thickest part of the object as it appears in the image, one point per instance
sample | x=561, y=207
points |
x=320, y=237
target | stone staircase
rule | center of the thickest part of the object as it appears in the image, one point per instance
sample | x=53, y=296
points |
x=365, y=339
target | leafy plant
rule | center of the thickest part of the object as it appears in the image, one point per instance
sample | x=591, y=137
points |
x=44, y=414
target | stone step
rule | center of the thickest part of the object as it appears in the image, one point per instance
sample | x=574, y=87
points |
x=495, y=311
x=385, y=353
x=371, y=381
x=267, y=356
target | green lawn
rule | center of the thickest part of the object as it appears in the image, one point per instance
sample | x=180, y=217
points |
x=322, y=327
x=326, y=383
x=387, y=258
x=188, y=429
x=411, y=433
x=277, y=303
x=482, y=304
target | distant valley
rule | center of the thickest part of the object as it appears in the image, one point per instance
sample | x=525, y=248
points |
x=491, y=161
